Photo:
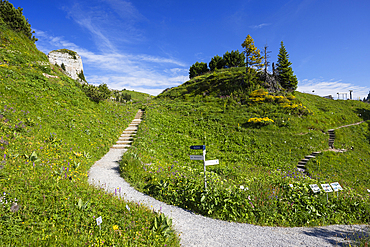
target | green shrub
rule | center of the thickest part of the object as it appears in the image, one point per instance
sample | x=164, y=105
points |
x=197, y=69
x=63, y=66
x=81, y=76
x=96, y=94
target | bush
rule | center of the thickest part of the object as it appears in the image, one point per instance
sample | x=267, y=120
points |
x=234, y=59
x=197, y=69
x=216, y=62
x=96, y=94
x=63, y=66
x=81, y=75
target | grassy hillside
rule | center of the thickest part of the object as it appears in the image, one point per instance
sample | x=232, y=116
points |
x=50, y=135
x=217, y=83
x=134, y=96
x=259, y=139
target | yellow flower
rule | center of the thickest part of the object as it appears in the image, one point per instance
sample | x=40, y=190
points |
x=115, y=227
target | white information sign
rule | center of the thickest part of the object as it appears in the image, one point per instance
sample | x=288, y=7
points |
x=336, y=186
x=326, y=188
x=212, y=162
x=196, y=157
x=315, y=188
x=99, y=220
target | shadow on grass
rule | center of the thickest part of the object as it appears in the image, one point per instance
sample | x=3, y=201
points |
x=363, y=113
x=340, y=237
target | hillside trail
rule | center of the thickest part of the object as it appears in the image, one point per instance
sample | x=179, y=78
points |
x=197, y=230
x=302, y=163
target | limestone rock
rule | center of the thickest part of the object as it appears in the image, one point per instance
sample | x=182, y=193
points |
x=71, y=61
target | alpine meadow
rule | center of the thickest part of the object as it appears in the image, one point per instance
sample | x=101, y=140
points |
x=271, y=142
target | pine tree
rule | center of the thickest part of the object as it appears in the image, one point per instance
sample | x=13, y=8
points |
x=15, y=20
x=284, y=70
x=252, y=54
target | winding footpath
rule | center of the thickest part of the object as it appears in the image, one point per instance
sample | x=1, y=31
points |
x=302, y=163
x=197, y=230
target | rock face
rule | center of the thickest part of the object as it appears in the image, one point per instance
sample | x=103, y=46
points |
x=71, y=60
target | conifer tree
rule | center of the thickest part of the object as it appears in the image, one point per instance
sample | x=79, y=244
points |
x=284, y=70
x=252, y=54
x=15, y=20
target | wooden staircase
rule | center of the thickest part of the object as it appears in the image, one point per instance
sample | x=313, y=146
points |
x=125, y=140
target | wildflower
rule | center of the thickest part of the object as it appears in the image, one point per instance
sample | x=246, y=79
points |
x=115, y=227
x=15, y=207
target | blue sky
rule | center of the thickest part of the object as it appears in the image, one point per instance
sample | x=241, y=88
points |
x=148, y=46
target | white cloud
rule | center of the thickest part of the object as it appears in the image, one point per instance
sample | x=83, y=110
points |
x=332, y=87
x=260, y=25
x=125, y=10
x=139, y=72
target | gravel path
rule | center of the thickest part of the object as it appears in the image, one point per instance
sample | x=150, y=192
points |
x=197, y=230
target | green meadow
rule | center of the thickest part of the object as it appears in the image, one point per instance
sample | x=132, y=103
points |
x=258, y=138
x=51, y=134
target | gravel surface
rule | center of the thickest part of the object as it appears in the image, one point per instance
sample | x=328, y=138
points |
x=197, y=230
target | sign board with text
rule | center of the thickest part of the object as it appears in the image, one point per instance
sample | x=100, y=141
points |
x=326, y=188
x=315, y=188
x=198, y=147
x=211, y=162
x=196, y=157
x=336, y=186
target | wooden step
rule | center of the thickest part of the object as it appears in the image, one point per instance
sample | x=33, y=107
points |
x=128, y=132
x=305, y=160
x=123, y=142
x=120, y=146
x=310, y=156
x=124, y=139
x=301, y=166
x=315, y=153
x=302, y=163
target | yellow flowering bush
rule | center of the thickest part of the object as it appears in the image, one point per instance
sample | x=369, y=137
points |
x=259, y=93
x=260, y=121
x=281, y=99
x=258, y=99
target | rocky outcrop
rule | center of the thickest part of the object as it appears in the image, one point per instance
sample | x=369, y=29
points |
x=70, y=62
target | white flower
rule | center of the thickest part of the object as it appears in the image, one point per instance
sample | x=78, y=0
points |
x=249, y=198
x=311, y=138
x=368, y=190
x=241, y=187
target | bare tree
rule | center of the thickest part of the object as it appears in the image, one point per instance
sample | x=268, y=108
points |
x=266, y=56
